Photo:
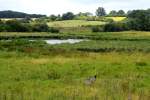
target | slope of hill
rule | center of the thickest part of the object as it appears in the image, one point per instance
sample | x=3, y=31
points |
x=15, y=14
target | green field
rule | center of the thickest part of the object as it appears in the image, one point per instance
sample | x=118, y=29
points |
x=117, y=19
x=74, y=23
x=34, y=70
x=127, y=35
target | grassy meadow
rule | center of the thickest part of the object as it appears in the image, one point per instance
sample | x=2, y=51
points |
x=74, y=23
x=117, y=19
x=61, y=76
x=35, y=70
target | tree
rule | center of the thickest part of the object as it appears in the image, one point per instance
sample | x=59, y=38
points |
x=128, y=12
x=15, y=26
x=121, y=13
x=139, y=20
x=113, y=13
x=115, y=27
x=148, y=9
x=40, y=27
x=100, y=11
x=68, y=16
x=53, y=17
x=84, y=14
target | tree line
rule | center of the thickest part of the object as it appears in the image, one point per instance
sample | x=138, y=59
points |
x=25, y=25
x=135, y=20
x=99, y=13
x=14, y=14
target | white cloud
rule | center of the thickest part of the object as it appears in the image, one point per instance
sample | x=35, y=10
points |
x=126, y=4
x=61, y=6
x=55, y=6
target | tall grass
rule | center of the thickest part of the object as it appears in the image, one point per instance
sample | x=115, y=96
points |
x=34, y=70
x=80, y=34
x=37, y=71
x=24, y=77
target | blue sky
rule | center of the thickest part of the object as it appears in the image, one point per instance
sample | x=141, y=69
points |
x=60, y=6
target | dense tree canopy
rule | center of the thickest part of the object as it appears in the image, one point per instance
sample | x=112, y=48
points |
x=53, y=17
x=100, y=11
x=68, y=16
x=139, y=20
x=121, y=13
x=115, y=13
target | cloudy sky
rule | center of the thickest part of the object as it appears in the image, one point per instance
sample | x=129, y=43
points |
x=60, y=6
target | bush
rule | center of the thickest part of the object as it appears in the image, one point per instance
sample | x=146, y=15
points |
x=40, y=27
x=139, y=63
x=19, y=26
x=97, y=29
x=115, y=27
x=15, y=26
x=54, y=30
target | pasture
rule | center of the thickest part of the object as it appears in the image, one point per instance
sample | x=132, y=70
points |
x=117, y=19
x=74, y=23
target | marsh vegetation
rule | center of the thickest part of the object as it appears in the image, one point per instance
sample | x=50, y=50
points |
x=115, y=65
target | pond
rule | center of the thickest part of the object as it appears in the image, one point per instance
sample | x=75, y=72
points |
x=58, y=41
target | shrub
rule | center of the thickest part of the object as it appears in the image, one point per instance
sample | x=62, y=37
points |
x=15, y=26
x=97, y=29
x=19, y=26
x=52, y=75
x=115, y=27
x=139, y=63
x=40, y=27
x=54, y=30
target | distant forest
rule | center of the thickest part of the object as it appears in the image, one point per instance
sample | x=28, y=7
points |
x=14, y=14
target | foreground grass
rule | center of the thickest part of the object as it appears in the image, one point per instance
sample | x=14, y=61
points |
x=61, y=76
x=37, y=71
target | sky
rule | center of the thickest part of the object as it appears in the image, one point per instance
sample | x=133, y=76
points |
x=49, y=7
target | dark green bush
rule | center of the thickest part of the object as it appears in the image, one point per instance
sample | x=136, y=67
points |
x=40, y=27
x=14, y=26
x=139, y=63
x=115, y=27
x=97, y=29
x=53, y=30
x=21, y=26
x=52, y=75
